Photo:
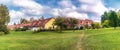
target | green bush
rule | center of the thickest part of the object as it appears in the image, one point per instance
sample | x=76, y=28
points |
x=17, y=29
x=3, y=28
x=42, y=30
x=25, y=28
x=106, y=24
x=1, y=33
x=22, y=29
x=81, y=28
x=96, y=25
x=35, y=31
x=7, y=31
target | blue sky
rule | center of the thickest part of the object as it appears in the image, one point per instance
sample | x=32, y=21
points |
x=80, y=9
x=112, y=3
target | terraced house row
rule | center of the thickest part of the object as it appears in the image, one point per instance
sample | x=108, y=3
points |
x=48, y=23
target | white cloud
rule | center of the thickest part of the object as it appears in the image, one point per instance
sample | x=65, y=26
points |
x=92, y=6
x=95, y=7
x=56, y=12
x=67, y=4
x=26, y=4
x=73, y=14
x=96, y=19
x=68, y=10
x=6, y=2
x=16, y=14
x=77, y=15
x=90, y=2
x=30, y=8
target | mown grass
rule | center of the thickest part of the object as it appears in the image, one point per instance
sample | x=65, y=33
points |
x=39, y=41
x=102, y=39
x=98, y=39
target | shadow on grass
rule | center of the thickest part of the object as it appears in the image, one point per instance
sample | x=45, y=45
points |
x=57, y=32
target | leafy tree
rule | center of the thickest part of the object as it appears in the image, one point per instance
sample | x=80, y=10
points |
x=113, y=18
x=106, y=23
x=60, y=22
x=104, y=17
x=14, y=23
x=24, y=21
x=31, y=19
x=4, y=18
x=42, y=20
x=96, y=25
x=118, y=14
x=73, y=22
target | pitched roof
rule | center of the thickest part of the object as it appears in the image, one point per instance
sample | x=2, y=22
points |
x=35, y=23
x=39, y=22
x=85, y=22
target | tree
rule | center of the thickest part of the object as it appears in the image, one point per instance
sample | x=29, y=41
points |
x=42, y=24
x=4, y=18
x=118, y=14
x=24, y=21
x=96, y=25
x=14, y=23
x=104, y=17
x=106, y=23
x=31, y=19
x=73, y=22
x=113, y=18
x=60, y=22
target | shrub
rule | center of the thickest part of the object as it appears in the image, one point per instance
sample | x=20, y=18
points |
x=4, y=29
x=25, y=28
x=106, y=23
x=22, y=29
x=96, y=25
x=1, y=33
x=35, y=31
x=7, y=31
x=81, y=28
x=17, y=29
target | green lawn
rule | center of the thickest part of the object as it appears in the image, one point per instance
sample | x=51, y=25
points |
x=101, y=39
x=39, y=41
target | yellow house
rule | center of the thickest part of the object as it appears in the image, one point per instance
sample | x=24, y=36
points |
x=49, y=24
x=38, y=24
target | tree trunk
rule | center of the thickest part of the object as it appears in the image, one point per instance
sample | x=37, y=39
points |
x=114, y=27
x=60, y=28
x=73, y=29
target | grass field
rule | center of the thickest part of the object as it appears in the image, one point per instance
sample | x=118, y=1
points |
x=101, y=39
x=39, y=41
